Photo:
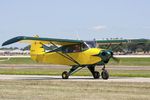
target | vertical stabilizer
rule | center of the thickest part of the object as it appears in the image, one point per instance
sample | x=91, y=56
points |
x=37, y=51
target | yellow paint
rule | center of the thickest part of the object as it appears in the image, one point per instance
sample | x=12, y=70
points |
x=83, y=58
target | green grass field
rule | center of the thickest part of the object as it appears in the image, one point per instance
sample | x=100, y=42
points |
x=58, y=71
x=72, y=90
x=123, y=61
x=84, y=72
x=132, y=62
x=17, y=61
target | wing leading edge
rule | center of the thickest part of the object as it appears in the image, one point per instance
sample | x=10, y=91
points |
x=42, y=40
x=62, y=42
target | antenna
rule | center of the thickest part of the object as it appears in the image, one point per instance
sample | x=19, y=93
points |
x=86, y=44
x=77, y=35
x=94, y=41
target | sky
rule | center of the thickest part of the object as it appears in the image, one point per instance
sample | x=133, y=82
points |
x=75, y=19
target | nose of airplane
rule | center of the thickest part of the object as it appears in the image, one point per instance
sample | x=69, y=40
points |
x=106, y=55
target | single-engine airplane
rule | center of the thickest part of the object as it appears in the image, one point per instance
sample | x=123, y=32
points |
x=75, y=53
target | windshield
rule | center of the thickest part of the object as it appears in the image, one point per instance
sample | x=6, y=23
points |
x=91, y=44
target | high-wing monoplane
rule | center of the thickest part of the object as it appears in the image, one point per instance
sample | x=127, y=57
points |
x=75, y=53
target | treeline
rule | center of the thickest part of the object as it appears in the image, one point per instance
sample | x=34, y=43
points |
x=128, y=48
x=10, y=48
x=16, y=48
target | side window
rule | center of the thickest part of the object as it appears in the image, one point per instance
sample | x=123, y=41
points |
x=72, y=48
x=68, y=49
x=77, y=48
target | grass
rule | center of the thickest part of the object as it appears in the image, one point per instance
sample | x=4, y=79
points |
x=84, y=72
x=132, y=62
x=123, y=61
x=72, y=90
x=58, y=71
x=130, y=73
x=17, y=61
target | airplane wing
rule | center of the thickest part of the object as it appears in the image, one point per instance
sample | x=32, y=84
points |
x=42, y=40
x=123, y=41
x=62, y=42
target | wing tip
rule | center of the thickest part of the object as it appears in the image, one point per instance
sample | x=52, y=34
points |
x=13, y=40
x=4, y=44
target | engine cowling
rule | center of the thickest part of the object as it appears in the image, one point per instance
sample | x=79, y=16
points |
x=106, y=55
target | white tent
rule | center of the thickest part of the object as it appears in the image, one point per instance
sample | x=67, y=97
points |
x=26, y=52
x=2, y=51
x=16, y=51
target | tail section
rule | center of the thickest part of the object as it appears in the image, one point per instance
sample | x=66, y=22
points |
x=37, y=51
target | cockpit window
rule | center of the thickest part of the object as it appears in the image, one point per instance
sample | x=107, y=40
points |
x=91, y=44
x=72, y=48
x=79, y=47
x=84, y=46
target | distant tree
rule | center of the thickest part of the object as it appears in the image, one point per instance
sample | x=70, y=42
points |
x=10, y=48
x=147, y=47
x=27, y=47
x=132, y=47
x=140, y=48
x=15, y=48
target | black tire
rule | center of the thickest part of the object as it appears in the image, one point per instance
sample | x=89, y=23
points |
x=105, y=74
x=65, y=75
x=96, y=75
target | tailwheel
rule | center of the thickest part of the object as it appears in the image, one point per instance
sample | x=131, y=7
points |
x=65, y=75
x=96, y=75
x=105, y=74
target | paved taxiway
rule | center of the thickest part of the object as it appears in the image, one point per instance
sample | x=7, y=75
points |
x=72, y=78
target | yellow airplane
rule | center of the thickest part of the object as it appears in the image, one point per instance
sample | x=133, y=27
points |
x=75, y=53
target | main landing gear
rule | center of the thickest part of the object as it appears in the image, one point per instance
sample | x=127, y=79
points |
x=96, y=74
x=104, y=73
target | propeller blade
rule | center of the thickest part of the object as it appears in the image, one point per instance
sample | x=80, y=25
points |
x=116, y=47
x=109, y=46
x=116, y=59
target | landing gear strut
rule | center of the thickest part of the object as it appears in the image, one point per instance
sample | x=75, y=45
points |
x=95, y=74
x=104, y=73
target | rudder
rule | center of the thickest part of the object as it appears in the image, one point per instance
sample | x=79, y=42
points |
x=36, y=51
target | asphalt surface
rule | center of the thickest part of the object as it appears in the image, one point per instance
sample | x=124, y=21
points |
x=72, y=78
x=109, y=67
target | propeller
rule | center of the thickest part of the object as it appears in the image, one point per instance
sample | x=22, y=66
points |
x=112, y=54
x=115, y=58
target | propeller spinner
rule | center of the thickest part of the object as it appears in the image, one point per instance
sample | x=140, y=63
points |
x=106, y=55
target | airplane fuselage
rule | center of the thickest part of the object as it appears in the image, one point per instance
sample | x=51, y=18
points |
x=83, y=58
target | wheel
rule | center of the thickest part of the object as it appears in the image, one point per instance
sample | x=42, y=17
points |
x=96, y=75
x=105, y=74
x=65, y=75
